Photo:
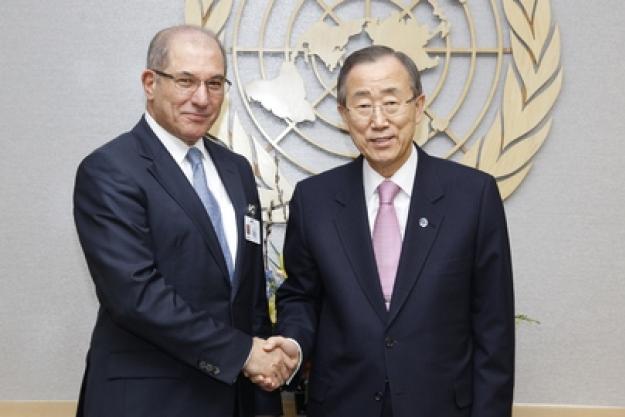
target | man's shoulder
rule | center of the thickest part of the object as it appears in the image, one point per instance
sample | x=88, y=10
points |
x=451, y=172
x=122, y=151
x=124, y=142
x=332, y=180
x=120, y=147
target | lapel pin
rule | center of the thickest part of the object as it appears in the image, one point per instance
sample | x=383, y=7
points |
x=423, y=222
x=251, y=209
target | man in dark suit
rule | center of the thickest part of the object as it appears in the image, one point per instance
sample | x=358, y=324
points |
x=399, y=284
x=169, y=222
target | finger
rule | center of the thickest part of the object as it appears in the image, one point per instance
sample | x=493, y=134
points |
x=288, y=361
x=268, y=388
x=258, y=379
x=281, y=370
x=270, y=383
x=271, y=343
x=290, y=366
x=276, y=384
x=291, y=349
x=264, y=382
x=276, y=377
x=292, y=361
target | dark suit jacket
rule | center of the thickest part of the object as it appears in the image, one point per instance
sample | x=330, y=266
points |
x=446, y=347
x=172, y=331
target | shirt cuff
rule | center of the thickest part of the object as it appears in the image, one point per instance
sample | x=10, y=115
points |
x=299, y=360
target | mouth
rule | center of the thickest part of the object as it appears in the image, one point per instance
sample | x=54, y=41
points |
x=196, y=117
x=381, y=140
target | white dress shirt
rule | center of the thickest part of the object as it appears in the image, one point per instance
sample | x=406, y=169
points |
x=404, y=178
x=178, y=150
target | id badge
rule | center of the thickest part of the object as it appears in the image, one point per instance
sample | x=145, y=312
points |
x=252, y=229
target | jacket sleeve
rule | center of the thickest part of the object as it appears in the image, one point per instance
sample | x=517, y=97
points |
x=299, y=297
x=110, y=211
x=492, y=310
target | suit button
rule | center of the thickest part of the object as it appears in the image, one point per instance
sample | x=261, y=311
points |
x=205, y=366
x=389, y=342
x=378, y=396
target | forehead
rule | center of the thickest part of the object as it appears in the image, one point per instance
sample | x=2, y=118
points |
x=195, y=53
x=386, y=74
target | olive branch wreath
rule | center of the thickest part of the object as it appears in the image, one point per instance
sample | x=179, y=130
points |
x=522, y=125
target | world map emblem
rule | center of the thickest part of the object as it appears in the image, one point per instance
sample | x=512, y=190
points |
x=490, y=69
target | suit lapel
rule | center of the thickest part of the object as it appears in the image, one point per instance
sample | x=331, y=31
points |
x=425, y=218
x=234, y=187
x=352, y=224
x=167, y=172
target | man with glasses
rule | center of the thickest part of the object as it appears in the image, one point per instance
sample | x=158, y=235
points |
x=169, y=221
x=400, y=283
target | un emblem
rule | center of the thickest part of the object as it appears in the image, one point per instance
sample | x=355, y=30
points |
x=491, y=73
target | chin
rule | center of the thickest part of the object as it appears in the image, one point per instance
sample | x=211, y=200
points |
x=385, y=156
x=195, y=133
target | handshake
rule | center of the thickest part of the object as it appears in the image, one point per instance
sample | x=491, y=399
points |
x=271, y=362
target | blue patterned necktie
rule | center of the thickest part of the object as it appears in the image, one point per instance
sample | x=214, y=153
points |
x=194, y=156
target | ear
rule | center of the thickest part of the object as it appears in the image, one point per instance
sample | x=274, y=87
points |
x=343, y=112
x=419, y=107
x=148, y=80
x=344, y=117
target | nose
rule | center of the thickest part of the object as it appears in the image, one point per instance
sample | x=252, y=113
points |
x=378, y=118
x=201, y=96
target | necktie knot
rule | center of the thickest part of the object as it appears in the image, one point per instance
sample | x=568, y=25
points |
x=194, y=156
x=387, y=191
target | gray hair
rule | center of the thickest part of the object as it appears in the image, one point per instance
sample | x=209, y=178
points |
x=372, y=54
x=159, y=45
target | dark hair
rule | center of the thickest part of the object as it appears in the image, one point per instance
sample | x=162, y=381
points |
x=159, y=45
x=372, y=54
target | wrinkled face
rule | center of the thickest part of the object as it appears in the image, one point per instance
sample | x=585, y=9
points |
x=187, y=116
x=381, y=88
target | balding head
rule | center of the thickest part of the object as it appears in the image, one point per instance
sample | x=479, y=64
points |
x=159, y=46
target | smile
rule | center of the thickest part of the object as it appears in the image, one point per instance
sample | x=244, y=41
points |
x=381, y=139
x=196, y=116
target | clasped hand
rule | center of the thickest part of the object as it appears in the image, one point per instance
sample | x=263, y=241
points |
x=271, y=362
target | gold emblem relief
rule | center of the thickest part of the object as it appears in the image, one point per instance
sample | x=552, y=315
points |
x=284, y=106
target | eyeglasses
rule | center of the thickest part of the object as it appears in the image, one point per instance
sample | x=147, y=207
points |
x=390, y=108
x=188, y=84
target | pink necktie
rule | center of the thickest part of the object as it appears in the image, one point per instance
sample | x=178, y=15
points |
x=387, y=239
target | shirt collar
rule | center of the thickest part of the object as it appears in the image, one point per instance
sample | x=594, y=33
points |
x=403, y=177
x=177, y=148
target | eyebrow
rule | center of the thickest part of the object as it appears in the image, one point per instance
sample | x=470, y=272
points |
x=190, y=74
x=367, y=93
